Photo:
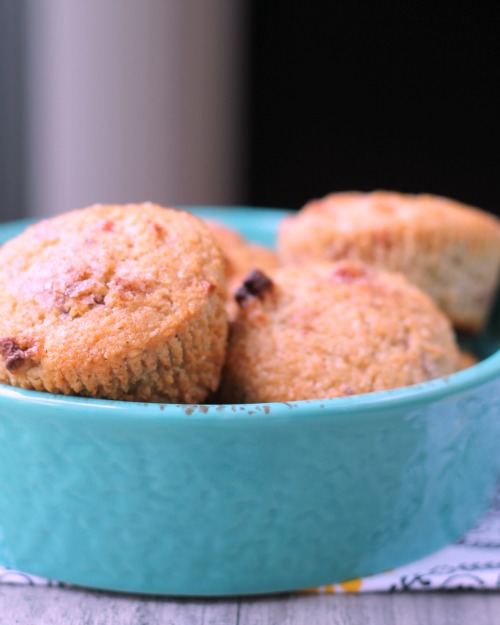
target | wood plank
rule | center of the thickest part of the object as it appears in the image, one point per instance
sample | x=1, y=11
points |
x=365, y=609
x=21, y=605
x=24, y=605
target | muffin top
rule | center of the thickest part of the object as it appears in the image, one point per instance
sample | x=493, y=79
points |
x=357, y=211
x=93, y=288
x=331, y=330
x=448, y=249
x=389, y=229
x=241, y=255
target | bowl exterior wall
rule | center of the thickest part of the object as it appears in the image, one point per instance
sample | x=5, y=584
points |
x=227, y=503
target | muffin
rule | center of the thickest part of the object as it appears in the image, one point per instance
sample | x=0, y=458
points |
x=467, y=360
x=118, y=302
x=332, y=330
x=240, y=256
x=449, y=250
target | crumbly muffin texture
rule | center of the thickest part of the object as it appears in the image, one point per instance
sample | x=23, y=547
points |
x=332, y=330
x=240, y=257
x=449, y=250
x=118, y=302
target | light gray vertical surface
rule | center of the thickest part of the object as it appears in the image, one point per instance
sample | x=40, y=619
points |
x=132, y=100
x=11, y=110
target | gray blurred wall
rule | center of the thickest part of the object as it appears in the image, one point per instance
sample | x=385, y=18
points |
x=131, y=100
x=12, y=170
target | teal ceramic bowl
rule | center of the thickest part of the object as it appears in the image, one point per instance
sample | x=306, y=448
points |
x=224, y=500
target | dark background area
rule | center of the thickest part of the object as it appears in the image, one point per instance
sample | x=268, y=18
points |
x=358, y=95
x=339, y=95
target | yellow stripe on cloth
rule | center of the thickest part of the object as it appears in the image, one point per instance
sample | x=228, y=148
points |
x=351, y=585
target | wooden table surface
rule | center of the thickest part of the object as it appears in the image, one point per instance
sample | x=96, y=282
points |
x=25, y=605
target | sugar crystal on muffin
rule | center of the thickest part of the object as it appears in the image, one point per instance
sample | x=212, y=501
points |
x=114, y=301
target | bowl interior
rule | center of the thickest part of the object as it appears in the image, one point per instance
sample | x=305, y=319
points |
x=260, y=225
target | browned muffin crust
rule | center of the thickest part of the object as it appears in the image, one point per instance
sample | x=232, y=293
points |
x=448, y=249
x=240, y=256
x=331, y=330
x=118, y=302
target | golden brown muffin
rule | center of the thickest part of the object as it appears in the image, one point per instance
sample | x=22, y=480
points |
x=241, y=256
x=331, y=330
x=118, y=302
x=449, y=250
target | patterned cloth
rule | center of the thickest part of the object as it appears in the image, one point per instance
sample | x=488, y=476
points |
x=473, y=562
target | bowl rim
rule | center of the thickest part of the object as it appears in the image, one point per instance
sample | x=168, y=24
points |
x=407, y=397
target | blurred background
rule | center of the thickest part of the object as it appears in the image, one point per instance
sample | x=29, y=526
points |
x=238, y=102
